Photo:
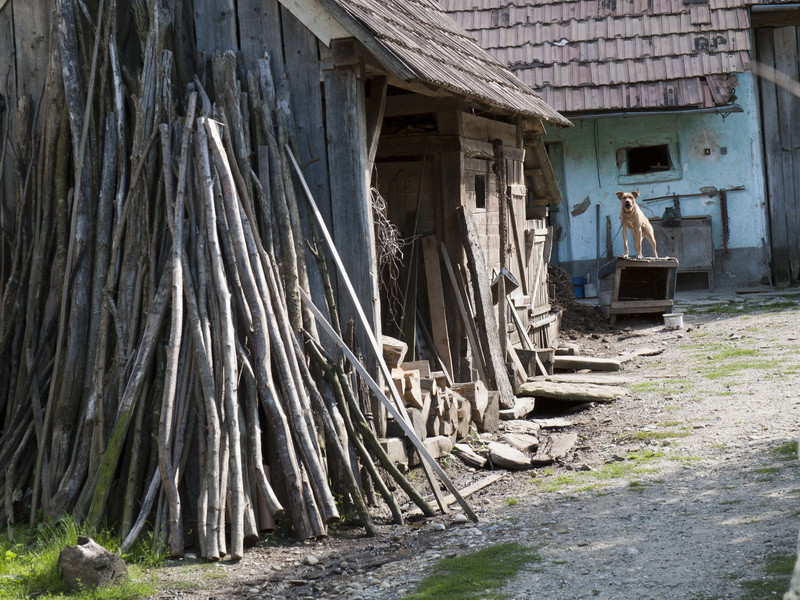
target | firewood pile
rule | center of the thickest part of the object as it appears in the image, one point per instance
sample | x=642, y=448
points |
x=164, y=366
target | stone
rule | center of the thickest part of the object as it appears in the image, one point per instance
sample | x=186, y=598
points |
x=491, y=417
x=459, y=519
x=521, y=441
x=522, y=407
x=468, y=456
x=312, y=560
x=507, y=457
x=88, y=565
x=439, y=527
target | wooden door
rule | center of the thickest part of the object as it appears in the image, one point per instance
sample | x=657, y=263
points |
x=780, y=111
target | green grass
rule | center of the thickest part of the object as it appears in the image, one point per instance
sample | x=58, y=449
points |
x=476, y=575
x=786, y=451
x=512, y=501
x=653, y=435
x=592, y=480
x=777, y=571
x=766, y=470
x=734, y=368
x=28, y=565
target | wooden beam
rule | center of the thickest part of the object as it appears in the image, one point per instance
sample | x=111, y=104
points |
x=376, y=107
x=317, y=18
x=436, y=304
x=466, y=316
x=497, y=376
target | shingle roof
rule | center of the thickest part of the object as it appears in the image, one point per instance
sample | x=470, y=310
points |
x=592, y=55
x=436, y=50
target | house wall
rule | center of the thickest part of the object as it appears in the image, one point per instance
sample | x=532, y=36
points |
x=734, y=160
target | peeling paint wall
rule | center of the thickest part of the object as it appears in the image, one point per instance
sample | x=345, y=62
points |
x=706, y=151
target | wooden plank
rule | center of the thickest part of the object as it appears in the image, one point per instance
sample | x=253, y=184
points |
x=497, y=377
x=519, y=248
x=637, y=304
x=436, y=304
x=586, y=362
x=519, y=370
x=376, y=107
x=260, y=33
x=303, y=72
x=572, y=392
x=786, y=57
x=319, y=20
x=352, y=229
x=467, y=491
x=771, y=138
x=523, y=335
x=466, y=316
x=32, y=37
x=214, y=26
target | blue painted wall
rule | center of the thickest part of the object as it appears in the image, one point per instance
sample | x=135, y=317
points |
x=707, y=150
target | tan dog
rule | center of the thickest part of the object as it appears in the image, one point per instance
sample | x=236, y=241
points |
x=633, y=218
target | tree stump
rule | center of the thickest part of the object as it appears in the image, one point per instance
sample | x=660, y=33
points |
x=88, y=565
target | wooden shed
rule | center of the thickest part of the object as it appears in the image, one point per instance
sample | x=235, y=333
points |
x=388, y=97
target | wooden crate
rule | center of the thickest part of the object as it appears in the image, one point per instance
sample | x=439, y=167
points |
x=637, y=286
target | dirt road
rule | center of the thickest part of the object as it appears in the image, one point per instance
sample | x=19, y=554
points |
x=688, y=489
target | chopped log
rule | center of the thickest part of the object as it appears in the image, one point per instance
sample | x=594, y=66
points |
x=554, y=447
x=419, y=422
x=394, y=351
x=491, y=418
x=429, y=385
x=572, y=392
x=468, y=456
x=506, y=457
x=441, y=379
x=413, y=391
x=522, y=408
x=576, y=363
x=464, y=417
x=423, y=366
x=395, y=449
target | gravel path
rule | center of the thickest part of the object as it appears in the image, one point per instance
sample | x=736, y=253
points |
x=681, y=491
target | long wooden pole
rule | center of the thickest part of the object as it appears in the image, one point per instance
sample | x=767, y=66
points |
x=397, y=414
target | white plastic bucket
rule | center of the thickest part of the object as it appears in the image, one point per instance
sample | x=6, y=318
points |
x=590, y=290
x=673, y=320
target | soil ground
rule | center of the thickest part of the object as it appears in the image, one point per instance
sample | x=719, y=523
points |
x=687, y=489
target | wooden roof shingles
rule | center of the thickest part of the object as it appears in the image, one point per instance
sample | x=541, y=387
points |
x=438, y=51
x=595, y=55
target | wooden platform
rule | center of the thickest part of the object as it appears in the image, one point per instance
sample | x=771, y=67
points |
x=631, y=286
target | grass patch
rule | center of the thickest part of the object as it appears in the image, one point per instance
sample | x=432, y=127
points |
x=512, y=501
x=786, y=451
x=718, y=446
x=592, y=480
x=767, y=470
x=777, y=571
x=653, y=435
x=476, y=575
x=28, y=564
x=731, y=369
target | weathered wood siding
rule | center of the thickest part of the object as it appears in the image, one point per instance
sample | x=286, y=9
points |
x=780, y=111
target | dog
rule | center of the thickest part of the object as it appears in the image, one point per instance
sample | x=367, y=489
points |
x=633, y=218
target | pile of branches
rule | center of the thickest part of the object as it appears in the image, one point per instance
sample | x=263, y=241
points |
x=160, y=369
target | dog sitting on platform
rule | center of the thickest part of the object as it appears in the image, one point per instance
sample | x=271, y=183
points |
x=633, y=218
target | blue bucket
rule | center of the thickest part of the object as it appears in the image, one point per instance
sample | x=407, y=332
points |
x=577, y=286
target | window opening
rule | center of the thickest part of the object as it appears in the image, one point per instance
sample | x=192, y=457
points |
x=648, y=159
x=480, y=191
